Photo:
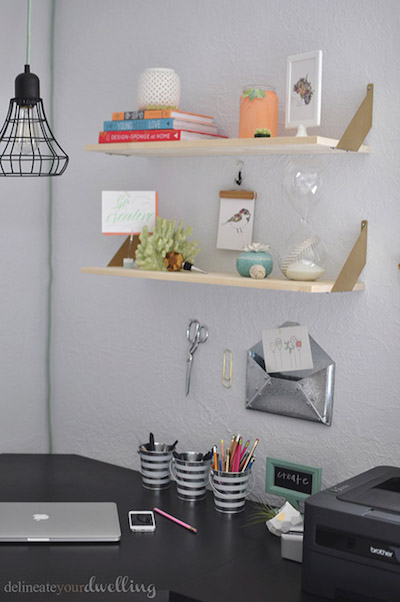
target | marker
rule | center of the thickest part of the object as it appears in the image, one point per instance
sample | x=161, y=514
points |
x=151, y=444
x=250, y=464
x=175, y=520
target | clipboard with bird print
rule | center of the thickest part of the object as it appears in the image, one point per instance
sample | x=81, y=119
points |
x=236, y=218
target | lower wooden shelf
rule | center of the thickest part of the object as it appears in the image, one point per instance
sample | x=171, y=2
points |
x=223, y=279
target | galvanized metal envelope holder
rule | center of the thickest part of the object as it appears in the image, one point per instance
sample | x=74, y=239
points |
x=305, y=394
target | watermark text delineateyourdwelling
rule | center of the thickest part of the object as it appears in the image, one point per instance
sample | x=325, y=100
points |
x=122, y=585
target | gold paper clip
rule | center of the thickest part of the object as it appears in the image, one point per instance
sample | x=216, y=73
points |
x=227, y=359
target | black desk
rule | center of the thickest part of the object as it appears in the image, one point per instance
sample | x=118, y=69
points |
x=224, y=561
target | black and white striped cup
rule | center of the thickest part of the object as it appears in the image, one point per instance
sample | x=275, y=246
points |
x=191, y=474
x=155, y=465
x=230, y=490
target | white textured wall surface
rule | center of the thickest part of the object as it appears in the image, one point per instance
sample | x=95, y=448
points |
x=120, y=345
x=23, y=262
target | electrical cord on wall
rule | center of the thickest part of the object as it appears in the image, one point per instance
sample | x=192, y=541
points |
x=50, y=246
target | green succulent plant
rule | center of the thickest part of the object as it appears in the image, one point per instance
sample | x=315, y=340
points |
x=262, y=133
x=253, y=93
x=153, y=248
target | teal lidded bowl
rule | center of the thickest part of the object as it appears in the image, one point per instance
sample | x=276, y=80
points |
x=252, y=257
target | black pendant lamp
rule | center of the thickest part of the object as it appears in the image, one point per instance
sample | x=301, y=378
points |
x=27, y=144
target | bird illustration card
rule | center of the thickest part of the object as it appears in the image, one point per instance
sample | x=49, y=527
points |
x=287, y=349
x=236, y=218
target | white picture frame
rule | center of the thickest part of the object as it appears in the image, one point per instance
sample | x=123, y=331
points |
x=303, y=91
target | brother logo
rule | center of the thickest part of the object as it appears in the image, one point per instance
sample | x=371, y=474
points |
x=380, y=552
x=41, y=517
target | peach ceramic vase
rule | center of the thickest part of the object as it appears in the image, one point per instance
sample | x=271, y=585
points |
x=258, y=110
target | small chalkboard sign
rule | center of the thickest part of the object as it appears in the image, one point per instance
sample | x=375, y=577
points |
x=292, y=481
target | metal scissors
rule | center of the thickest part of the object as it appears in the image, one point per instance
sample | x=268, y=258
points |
x=196, y=334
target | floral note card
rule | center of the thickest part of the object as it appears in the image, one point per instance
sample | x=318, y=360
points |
x=127, y=211
x=287, y=349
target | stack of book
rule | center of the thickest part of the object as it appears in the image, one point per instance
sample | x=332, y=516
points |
x=157, y=125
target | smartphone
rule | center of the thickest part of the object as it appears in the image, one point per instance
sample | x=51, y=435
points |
x=141, y=520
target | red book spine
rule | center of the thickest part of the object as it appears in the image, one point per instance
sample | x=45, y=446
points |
x=139, y=136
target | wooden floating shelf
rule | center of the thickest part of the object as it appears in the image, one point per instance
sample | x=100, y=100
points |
x=226, y=146
x=223, y=279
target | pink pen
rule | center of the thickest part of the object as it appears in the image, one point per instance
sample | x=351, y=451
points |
x=175, y=520
x=238, y=456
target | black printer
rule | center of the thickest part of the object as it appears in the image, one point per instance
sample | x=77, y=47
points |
x=352, y=538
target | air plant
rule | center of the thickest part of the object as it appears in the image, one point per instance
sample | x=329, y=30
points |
x=261, y=512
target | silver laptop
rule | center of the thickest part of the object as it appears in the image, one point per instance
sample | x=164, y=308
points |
x=39, y=522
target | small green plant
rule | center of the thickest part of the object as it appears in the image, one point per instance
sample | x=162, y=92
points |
x=262, y=133
x=153, y=248
x=261, y=512
x=253, y=93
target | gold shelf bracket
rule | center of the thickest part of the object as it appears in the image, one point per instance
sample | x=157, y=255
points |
x=360, y=125
x=355, y=263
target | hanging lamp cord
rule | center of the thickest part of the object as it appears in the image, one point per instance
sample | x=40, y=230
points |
x=28, y=34
x=49, y=221
x=50, y=249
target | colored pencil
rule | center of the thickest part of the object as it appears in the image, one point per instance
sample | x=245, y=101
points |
x=243, y=460
x=246, y=445
x=234, y=450
x=222, y=452
x=215, y=458
x=250, y=455
x=227, y=461
x=175, y=520
x=231, y=445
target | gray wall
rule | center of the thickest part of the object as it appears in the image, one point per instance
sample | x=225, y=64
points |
x=119, y=346
x=23, y=248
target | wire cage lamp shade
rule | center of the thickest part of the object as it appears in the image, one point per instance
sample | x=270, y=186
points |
x=27, y=144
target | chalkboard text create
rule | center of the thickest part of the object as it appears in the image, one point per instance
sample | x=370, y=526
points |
x=293, y=480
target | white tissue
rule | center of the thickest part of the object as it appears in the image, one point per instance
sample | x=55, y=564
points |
x=286, y=518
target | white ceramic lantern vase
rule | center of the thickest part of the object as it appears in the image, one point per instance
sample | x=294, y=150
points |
x=159, y=88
